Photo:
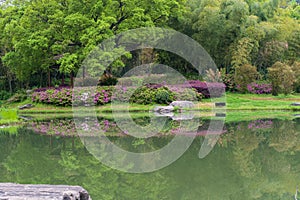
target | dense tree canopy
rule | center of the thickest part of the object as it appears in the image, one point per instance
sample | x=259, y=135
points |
x=43, y=42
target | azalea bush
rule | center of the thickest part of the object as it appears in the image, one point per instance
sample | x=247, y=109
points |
x=63, y=96
x=186, y=94
x=259, y=88
x=122, y=93
x=207, y=89
x=147, y=94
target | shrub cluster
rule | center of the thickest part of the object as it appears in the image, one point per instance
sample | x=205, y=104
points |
x=4, y=95
x=122, y=93
x=228, y=79
x=259, y=88
x=296, y=69
x=107, y=80
x=245, y=75
x=149, y=95
x=282, y=78
x=186, y=94
x=19, y=96
x=62, y=96
x=208, y=90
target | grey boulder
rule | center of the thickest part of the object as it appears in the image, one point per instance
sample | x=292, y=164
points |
x=182, y=104
x=295, y=104
x=26, y=106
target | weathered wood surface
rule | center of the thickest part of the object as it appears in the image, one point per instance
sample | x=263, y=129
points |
x=11, y=191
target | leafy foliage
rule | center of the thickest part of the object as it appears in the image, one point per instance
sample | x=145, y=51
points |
x=245, y=75
x=164, y=96
x=296, y=69
x=19, y=96
x=107, y=80
x=282, y=78
x=228, y=79
x=4, y=95
x=46, y=38
x=148, y=95
x=43, y=43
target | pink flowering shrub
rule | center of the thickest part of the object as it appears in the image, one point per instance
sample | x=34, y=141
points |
x=207, y=89
x=123, y=93
x=148, y=94
x=259, y=88
x=63, y=96
x=185, y=94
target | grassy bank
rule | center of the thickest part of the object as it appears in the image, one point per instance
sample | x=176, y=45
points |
x=261, y=102
x=240, y=107
x=235, y=102
x=231, y=116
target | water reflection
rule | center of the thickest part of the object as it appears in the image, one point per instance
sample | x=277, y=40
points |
x=252, y=160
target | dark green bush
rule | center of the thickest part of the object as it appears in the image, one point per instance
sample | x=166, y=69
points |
x=146, y=95
x=19, y=96
x=164, y=96
x=143, y=95
x=4, y=95
x=107, y=80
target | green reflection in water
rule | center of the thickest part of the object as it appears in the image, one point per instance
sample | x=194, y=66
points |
x=254, y=160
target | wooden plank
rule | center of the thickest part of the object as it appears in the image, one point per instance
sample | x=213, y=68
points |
x=12, y=191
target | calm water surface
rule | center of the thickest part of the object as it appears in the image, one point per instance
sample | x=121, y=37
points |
x=252, y=160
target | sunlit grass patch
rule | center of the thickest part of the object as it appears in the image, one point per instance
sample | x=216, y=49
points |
x=8, y=116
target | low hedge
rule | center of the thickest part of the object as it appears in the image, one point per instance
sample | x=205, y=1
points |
x=147, y=94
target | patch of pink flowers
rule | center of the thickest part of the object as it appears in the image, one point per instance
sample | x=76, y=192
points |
x=259, y=88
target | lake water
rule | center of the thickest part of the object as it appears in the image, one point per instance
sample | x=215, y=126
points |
x=258, y=159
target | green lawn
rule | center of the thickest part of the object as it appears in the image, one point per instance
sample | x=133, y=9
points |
x=260, y=102
x=231, y=116
x=8, y=116
x=235, y=102
x=239, y=107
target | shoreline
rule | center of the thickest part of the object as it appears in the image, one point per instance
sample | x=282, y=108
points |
x=238, y=107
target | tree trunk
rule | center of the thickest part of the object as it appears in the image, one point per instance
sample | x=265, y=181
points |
x=10, y=84
x=63, y=79
x=83, y=72
x=41, y=80
x=72, y=79
x=49, y=78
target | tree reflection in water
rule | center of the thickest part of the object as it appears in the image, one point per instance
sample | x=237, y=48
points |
x=252, y=160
